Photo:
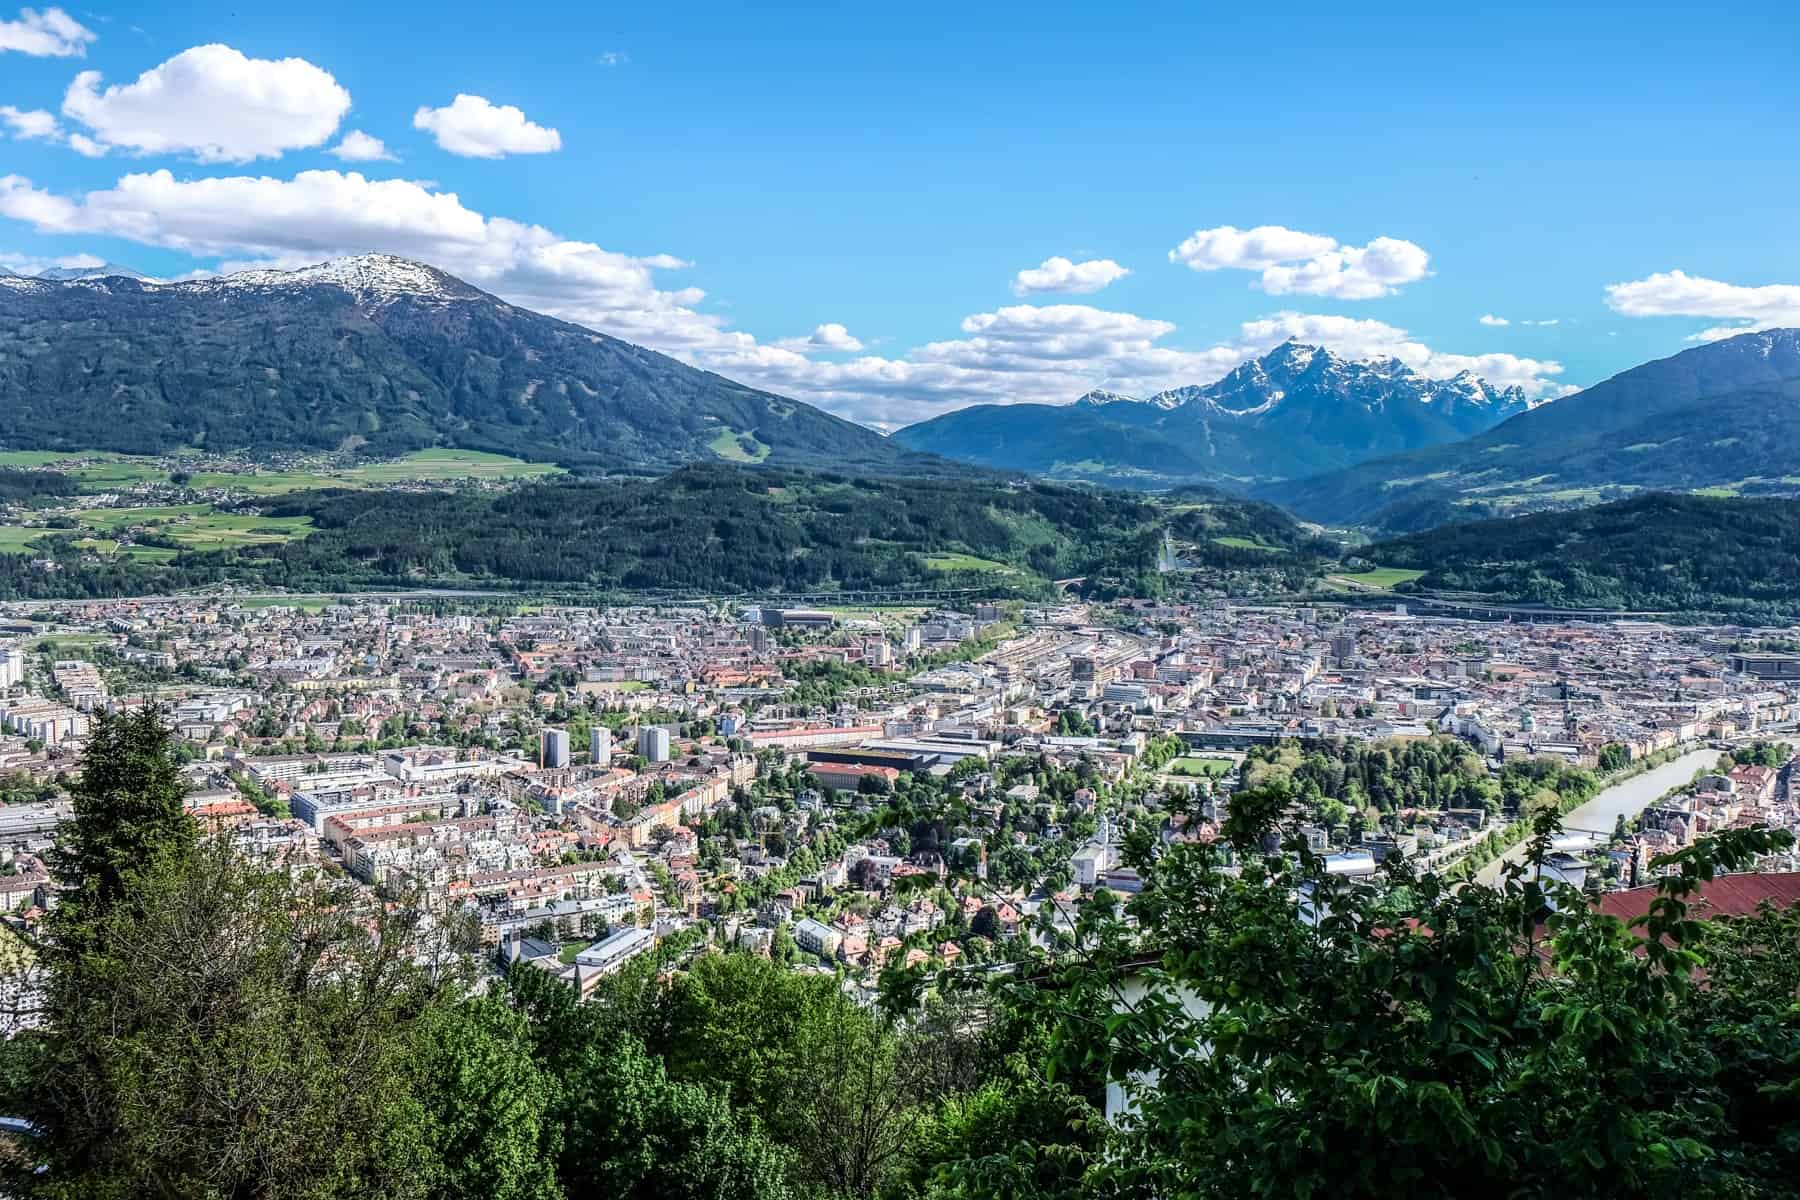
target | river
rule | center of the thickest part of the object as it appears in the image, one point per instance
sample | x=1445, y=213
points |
x=1626, y=799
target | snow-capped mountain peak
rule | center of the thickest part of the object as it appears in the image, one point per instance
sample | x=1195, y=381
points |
x=367, y=276
x=103, y=271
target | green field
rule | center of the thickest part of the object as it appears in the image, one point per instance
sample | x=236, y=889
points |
x=729, y=445
x=194, y=526
x=1244, y=543
x=17, y=539
x=962, y=562
x=219, y=531
x=1381, y=578
x=102, y=471
x=1198, y=767
x=427, y=465
x=34, y=459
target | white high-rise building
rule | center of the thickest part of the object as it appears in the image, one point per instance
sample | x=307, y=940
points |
x=553, y=748
x=600, y=746
x=653, y=744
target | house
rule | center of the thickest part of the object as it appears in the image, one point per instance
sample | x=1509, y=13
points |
x=816, y=937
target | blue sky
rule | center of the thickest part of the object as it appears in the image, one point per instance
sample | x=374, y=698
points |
x=838, y=203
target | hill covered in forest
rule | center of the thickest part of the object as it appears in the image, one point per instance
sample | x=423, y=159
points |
x=378, y=353
x=1658, y=553
x=701, y=530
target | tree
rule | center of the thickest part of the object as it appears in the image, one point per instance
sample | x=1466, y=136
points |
x=128, y=819
x=489, y=1105
x=1509, y=1040
x=634, y=1134
x=219, y=1031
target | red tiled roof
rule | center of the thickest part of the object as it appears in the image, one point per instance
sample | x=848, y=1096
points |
x=1727, y=896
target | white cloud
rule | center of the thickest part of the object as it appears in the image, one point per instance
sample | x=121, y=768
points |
x=30, y=123
x=1497, y=322
x=315, y=215
x=1058, y=274
x=358, y=146
x=52, y=33
x=473, y=127
x=1231, y=248
x=1021, y=352
x=1311, y=264
x=1678, y=294
x=613, y=58
x=86, y=146
x=214, y=103
x=829, y=338
x=24, y=264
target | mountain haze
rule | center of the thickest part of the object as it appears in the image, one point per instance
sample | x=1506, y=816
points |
x=1720, y=416
x=1298, y=410
x=376, y=352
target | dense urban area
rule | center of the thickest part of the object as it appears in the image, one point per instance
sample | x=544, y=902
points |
x=872, y=803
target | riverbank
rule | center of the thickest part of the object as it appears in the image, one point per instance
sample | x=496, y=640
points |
x=1627, y=799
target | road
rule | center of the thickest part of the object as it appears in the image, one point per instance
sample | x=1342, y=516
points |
x=1626, y=799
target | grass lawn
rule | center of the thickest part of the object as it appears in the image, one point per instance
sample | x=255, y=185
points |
x=220, y=531
x=729, y=445
x=267, y=483
x=423, y=465
x=1191, y=765
x=1244, y=543
x=17, y=539
x=152, y=514
x=32, y=459
x=195, y=526
x=1380, y=577
x=963, y=562
x=151, y=553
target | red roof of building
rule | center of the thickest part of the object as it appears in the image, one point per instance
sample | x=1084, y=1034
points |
x=1726, y=896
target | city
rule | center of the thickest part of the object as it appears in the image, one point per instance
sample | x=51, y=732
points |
x=1026, y=602
x=589, y=782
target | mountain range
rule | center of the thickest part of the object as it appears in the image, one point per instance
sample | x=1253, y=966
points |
x=374, y=352
x=1722, y=417
x=1297, y=411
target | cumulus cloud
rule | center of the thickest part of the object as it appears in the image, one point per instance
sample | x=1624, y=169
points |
x=214, y=103
x=264, y=220
x=473, y=127
x=1678, y=294
x=30, y=123
x=1231, y=248
x=1020, y=352
x=52, y=33
x=1058, y=274
x=1491, y=319
x=358, y=146
x=1310, y=264
x=25, y=264
x=828, y=338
